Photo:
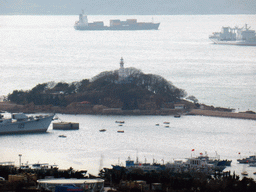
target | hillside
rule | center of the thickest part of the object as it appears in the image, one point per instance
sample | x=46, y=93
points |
x=125, y=89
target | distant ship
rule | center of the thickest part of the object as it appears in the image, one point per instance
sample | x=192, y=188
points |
x=21, y=123
x=235, y=36
x=129, y=24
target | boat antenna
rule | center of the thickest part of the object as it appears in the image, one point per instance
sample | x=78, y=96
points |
x=101, y=162
x=137, y=159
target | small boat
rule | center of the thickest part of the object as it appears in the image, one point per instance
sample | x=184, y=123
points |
x=120, y=131
x=167, y=126
x=103, y=130
x=177, y=116
x=119, y=121
x=166, y=122
x=254, y=173
x=157, y=124
x=244, y=173
x=120, y=125
x=63, y=136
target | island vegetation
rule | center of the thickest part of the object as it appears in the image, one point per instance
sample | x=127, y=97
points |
x=138, y=91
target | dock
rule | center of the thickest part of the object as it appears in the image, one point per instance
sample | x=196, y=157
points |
x=65, y=126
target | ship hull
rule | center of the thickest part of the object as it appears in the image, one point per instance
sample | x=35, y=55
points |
x=149, y=26
x=241, y=43
x=32, y=126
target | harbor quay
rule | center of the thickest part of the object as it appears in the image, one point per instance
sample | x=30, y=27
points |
x=132, y=177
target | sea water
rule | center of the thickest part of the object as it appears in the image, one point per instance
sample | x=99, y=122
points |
x=39, y=49
x=90, y=149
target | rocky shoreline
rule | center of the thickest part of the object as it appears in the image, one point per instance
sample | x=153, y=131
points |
x=204, y=110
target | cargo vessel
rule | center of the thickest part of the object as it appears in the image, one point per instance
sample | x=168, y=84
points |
x=234, y=36
x=129, y=24
x=21, y=123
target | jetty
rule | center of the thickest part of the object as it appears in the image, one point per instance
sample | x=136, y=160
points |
x=241, y=115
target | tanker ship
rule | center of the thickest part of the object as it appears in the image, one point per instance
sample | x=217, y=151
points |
x=234, y=36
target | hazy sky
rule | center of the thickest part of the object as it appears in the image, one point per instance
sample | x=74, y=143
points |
x=127, y=7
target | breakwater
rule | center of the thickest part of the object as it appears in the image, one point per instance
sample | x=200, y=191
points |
x=213, y=113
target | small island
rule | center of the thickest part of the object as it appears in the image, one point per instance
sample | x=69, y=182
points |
x=125, y=91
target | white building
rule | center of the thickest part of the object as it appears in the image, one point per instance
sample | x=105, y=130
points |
x=121, y=73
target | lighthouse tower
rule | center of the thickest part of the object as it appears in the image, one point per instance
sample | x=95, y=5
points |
x=121, y=72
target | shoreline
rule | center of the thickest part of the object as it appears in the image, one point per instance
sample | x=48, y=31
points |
x=212, y=113
x=101, y=110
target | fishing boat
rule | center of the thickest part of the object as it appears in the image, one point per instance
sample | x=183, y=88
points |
x=115, y=24
x=235, y=36
x=120, y=122
x=145, y=167
x=248, y=160
x=14, y=123
x=62, y=136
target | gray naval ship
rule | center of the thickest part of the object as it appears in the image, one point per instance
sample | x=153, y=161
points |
x=21, y=123
x=234, y=36
x=129, y=24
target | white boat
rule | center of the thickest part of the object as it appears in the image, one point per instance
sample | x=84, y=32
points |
x=43, y=166
x=21, y=123
x=234, y=36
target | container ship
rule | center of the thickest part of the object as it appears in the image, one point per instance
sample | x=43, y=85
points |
x=129, y=24
x=234, y=36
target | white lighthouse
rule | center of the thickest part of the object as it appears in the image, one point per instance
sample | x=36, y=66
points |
x=121, y=73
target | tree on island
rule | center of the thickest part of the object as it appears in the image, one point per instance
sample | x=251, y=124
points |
x=105, y=89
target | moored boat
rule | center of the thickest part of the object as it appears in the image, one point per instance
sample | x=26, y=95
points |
x=244, y=173
x=120, y=121
x=62, y=136
x=248, y=160
x=20, y=123
x=252, y=164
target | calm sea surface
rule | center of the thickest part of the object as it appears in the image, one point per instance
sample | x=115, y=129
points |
x=39, y=49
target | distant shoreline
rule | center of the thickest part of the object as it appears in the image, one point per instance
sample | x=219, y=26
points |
x=100, y=110
x=242, y=115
